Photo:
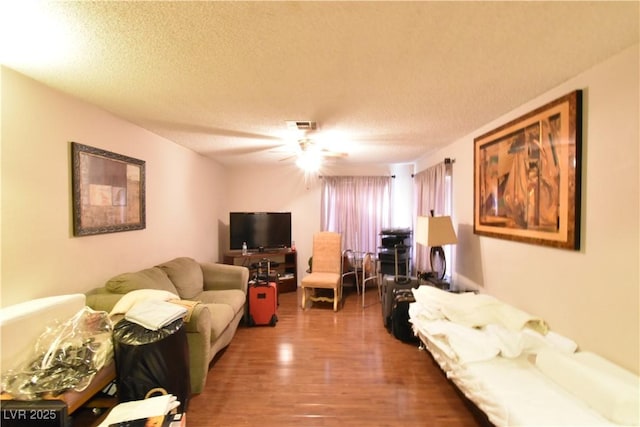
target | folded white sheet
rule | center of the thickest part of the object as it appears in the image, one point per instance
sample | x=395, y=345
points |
x=130, y=299
x=154, y=315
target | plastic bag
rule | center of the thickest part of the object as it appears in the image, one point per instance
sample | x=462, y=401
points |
x=130, y=333
x=66, y=356
x=150, y=360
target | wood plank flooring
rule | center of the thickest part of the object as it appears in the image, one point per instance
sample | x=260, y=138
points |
x=324, y=368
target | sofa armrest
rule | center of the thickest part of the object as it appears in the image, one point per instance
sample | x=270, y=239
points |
x=101, y=299
x=199, y=340
x=224, y=276
x=200, y=321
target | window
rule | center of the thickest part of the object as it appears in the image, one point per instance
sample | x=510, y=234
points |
x=432, y=192
x=358, y=207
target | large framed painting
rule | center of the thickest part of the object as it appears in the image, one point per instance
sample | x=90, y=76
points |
x=108, y=191
x=527, y=176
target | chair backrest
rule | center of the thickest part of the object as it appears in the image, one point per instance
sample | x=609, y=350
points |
x=368, y=265
x=327, y=252
x=348, y=261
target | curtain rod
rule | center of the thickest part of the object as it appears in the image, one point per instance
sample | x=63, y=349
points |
x=447, y=161
x=358, y=176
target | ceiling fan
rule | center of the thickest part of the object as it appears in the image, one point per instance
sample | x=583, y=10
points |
x=308, y=147
x=298, y=139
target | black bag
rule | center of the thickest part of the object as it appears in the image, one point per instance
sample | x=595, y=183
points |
x=152, y=361
x=389, y=287
x=400, y=325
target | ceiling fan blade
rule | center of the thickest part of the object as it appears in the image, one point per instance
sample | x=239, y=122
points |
x=213, y=131
x=336, y=154
x=240, y=151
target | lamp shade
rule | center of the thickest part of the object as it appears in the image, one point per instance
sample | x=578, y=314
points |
x=435, y=231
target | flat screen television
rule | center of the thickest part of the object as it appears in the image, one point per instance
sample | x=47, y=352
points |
x=261, y=230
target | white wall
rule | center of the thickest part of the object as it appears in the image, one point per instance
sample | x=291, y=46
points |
x=592, y=294
x=281, y=188
x=40, y=256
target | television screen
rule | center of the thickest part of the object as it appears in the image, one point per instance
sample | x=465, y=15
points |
x=266, y=230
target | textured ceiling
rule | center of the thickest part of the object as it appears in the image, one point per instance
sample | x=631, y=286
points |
x=386, y=81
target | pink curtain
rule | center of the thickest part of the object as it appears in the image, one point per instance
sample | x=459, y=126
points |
x=431, y=192
x=358, y=207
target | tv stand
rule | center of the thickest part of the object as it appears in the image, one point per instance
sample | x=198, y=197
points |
x=273, y=250
x=286, y=259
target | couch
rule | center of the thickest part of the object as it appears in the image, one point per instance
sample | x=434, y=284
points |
x=219, y=290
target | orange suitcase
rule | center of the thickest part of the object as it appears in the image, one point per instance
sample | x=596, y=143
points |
x=263, y=304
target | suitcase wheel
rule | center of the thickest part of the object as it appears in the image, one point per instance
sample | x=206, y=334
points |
x=273, y=321
x=251, y=321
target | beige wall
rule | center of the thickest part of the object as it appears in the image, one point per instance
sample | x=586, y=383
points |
x=40, y=256
x=590, y=295
x=281, y=188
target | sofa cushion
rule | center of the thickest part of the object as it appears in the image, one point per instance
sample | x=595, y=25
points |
x=150, y=278
x=234, y=298
x=186, y=275
x=221, y=317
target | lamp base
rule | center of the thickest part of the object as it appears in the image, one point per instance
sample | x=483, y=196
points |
x=438, y=262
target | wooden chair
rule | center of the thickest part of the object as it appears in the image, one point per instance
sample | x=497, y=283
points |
x=325, y=270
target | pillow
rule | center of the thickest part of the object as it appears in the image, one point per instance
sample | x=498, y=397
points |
x=133, y=297
x=598, y=384
x=186, y=275
x=151, y=278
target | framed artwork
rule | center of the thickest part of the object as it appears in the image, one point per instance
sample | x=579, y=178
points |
x=108, y=191
x=527, y=176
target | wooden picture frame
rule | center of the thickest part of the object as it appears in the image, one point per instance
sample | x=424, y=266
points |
x=108, y=191
x=527, y=176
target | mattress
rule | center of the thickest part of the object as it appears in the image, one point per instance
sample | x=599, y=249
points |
x=494, y=366
x=513, y=392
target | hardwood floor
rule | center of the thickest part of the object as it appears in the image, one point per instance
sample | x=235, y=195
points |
x=324, y=368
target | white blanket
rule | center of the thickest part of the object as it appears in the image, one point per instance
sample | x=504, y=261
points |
x=468, y=344
x=478, y=327
x=475, y=310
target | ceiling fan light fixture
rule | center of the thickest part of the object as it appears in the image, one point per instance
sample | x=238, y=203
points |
x=309, y=161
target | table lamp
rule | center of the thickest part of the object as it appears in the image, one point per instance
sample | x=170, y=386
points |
x=435, y=231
